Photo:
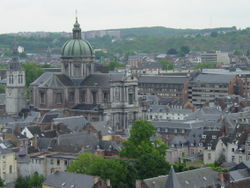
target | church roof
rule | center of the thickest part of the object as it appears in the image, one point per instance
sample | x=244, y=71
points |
x=97, y=80
x=58, y=80
x=52, y=80
x=201, y=177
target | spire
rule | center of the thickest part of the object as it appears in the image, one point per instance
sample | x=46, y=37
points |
x=172, y=181
x=14, y=64
x=77, y=33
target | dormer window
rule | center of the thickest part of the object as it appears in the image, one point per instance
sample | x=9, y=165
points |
x=214, y=137
x=204, y=136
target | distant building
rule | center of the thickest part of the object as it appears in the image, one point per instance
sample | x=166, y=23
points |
x=164, y=86
x=215, y=57
x=8, y=165
x=204, y=88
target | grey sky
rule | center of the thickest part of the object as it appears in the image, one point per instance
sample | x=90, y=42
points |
x=58, y=15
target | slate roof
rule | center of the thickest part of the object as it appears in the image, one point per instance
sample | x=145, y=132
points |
x=211, y=139
x=180, y=124
x=69, y=180
x=110, y=145
x=102, y=126
x=97, y=80
x=43, y=143
x=48, y=117
x=42, y=79
x=172, y=181
x=158, y=108
x=239, y=174
x=35, y=130
x=52, y=80
x=202, y=177
x=74, y=123
x=85, y=140
x=163, y=79
x=213, y=78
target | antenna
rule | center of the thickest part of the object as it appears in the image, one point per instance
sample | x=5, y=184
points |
x=76, y=14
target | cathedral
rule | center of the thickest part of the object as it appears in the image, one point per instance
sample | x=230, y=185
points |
x=78, y=85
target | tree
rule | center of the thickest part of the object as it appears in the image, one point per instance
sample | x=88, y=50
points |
x=32, y=72
x=140, y=142
x=22, y=182
x=151, y=165
x=172, y=51
x=238, y=53
x=166, y=64
x=121, y=173
x=1, y=182
x=113, y=65
x=214, y=34
x=205, y=66
x=184, y=50
x=36, y=180
x=2, y=89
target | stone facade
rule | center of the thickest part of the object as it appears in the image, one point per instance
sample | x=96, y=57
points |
x=15, y=89
x=78, y=86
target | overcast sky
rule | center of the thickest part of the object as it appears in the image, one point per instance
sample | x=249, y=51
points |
x=59, y=15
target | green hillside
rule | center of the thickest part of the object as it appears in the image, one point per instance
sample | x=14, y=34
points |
x=152, y=39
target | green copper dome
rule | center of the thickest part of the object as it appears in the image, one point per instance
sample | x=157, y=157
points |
x=77, y=47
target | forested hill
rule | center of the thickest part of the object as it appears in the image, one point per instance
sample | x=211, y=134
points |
x=151, y=39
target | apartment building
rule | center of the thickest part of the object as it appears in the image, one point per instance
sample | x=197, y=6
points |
x=204, y=88
x=164, y=86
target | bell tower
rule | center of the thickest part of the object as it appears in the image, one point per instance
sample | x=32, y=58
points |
x=15, y=88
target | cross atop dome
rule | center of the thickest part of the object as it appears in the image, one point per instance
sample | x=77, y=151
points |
x=77, y=32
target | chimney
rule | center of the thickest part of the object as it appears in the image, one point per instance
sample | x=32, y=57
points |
x=138, y=184
x=34, y=141
x=96, y=179
x=221, y=176
x=108, y=183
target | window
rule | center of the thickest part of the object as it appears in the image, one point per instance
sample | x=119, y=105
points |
x=94, y=97
x=42, y=97
x=233, y=158
x=209, y=156
x=105, y=97
x=10, y=169
x=82, y=96
x=66, y=163
x=58, y=162
x=11, y=79
x=240, y=159
x=71, y=97
x=58, y=98
x=51, y=161
x=232, y=149
x=20, y=78
x=130, y=98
